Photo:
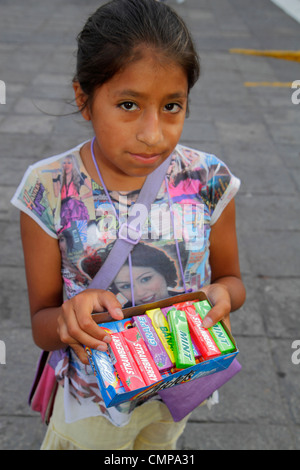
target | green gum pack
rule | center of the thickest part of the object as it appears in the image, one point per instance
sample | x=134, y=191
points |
x=217, y=331
x=183, y=349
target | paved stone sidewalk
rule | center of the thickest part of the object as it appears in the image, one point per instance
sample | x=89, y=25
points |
x=254, y=129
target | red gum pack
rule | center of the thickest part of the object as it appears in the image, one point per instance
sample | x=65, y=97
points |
x=200, y=335
x=123, y=361
x=143, y=358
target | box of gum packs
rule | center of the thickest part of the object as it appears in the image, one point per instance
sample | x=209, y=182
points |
x=112, y=388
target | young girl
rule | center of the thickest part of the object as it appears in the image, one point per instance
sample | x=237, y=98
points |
x=136, y=65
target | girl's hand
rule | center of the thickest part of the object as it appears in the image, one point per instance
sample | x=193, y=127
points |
x=219, y=297
x=76, y=326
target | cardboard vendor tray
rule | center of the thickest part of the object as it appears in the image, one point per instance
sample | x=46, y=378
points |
x=113, y=392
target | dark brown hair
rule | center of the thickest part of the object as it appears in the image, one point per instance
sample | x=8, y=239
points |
x=112, y=36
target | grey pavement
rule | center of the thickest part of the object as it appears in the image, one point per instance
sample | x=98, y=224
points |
x=253, y=129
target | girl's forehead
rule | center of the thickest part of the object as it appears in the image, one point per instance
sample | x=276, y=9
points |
x=148, y=67
x=153, y=55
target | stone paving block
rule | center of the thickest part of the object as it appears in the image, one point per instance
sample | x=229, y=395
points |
x=283, y=73
x=233, y=94
x=271, y=214
x=296, y=178
x=13, y=91
x=17, y=375
x=232, y=436
x=253, y=395
x=281, y=313
x=18, y=149
x=242, y=133
x=290, y=114
x=5, y=196
x=245, y=266
x=273, y=98
x=262, y=177
x=38, y=107
x=290, y=156
x=197, y=130
x=62, y=58
x=59, y=142
x=27, y=124
x=286, y=358
x=249, y=319
x=254, y=68
x=14, y=311
x=65, y=125
x=11, y=253
x=286, y=133
x=18, y=433
x=279, y=257
x=241, y=114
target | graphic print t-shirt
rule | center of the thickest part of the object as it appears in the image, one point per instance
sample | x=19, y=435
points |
x=173, y=254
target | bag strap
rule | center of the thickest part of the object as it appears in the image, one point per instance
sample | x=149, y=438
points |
x=129, y=235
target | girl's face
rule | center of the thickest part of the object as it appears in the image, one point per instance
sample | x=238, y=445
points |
x=148, y=284
x=138, y=117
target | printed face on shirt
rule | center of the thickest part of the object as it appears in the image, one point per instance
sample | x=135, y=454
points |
x=67, y=165
x=138, y=117
x=148, y=284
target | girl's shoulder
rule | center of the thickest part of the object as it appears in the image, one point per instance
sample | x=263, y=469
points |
x=39, y=190
x=189, y=154
x=204, y=174
x=189, y=160
x=49, y=164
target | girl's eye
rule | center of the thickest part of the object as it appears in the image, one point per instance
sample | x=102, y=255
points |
x=128, y=106
x=173, y=108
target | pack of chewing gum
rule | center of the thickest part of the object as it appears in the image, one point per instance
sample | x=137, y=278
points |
x=158, y=346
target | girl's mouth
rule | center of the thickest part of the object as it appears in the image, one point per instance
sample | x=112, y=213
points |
x=148, y=159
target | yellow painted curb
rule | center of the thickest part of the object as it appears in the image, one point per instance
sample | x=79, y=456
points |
x=269, y=84
x=283, y=55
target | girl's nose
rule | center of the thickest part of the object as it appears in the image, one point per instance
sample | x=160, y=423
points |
x=150, y=131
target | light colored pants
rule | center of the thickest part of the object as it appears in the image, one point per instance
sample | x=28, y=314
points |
x=151, y=428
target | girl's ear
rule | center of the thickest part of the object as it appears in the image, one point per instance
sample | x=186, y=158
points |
x=81, y=101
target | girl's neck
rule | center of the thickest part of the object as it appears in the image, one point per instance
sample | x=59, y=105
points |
x=113, y=181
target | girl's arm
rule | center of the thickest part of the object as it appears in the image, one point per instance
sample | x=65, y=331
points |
x=226, y=292
x=55, y=323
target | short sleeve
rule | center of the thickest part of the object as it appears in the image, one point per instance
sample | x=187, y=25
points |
x=33, y=197
x=222, y=186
